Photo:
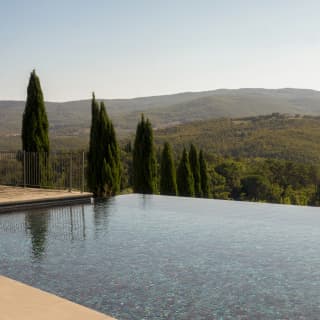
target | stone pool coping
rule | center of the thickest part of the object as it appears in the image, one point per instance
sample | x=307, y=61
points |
x=19, y=301
x=18, y=198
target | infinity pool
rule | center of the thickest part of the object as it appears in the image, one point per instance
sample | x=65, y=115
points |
x=156, y=257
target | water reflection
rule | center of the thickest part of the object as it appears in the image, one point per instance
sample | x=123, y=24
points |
x=145, y=198
x=12, y=224
x=101, y=211
x=45, y=225
x=37, y=226
x=67, y=223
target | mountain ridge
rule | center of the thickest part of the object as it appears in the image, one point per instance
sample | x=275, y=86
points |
x=178, y=93
x=166, y=110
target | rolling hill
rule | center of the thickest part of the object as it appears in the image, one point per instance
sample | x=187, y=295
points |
x=275, y=136
x=74, y=116
x=201, y=117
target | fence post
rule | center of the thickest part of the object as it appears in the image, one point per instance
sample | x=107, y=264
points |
x=24, y=168
x=70, y=177
x=82, y=184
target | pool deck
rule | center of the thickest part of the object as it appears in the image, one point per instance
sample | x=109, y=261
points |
x=15, y=198
x=22, y=302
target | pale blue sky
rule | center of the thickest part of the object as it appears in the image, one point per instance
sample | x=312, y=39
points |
x=135, y=48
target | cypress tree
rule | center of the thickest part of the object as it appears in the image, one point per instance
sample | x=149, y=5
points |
x=104, y=168
x=168, y=183
x=204, y=176
x=93, y=155
x=109, y=156
x=35, y=126
x=195, y=169
x=35, y=135
x=184, y=177
x=144, y=161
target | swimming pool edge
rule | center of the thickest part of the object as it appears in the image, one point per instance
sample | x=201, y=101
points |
x=16, y=205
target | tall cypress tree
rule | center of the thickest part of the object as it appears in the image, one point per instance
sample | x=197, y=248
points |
x=93, y=170
x=184, y=176
x=144, y=160
x=104, y=168
x=168, y=183
x=35, y=135
x=109, y=155
x=35, y=125
x=204, y=176
x=195, y=169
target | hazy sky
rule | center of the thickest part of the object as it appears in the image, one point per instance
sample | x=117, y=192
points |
x=134, y=48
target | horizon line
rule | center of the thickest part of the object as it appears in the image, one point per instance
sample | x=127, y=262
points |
x=168, y=94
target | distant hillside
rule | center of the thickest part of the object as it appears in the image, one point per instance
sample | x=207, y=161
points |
x=70, y=117
x=73, y=118
x=273, y=136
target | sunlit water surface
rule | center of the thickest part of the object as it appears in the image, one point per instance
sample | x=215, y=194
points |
x=155, y=257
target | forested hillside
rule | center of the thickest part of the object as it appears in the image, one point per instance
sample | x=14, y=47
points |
x=273, y=136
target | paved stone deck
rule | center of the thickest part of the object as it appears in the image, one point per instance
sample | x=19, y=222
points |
x=18, y=197
x=21, y=302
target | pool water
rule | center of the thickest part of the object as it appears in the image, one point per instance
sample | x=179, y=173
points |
x=157, y=257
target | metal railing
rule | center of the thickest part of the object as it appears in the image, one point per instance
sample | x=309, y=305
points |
x=55, y=170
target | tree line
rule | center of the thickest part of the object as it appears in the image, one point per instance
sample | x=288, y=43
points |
x=104, y=167
x=150, y=171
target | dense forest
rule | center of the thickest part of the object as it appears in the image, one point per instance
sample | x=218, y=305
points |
x=251, y=179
